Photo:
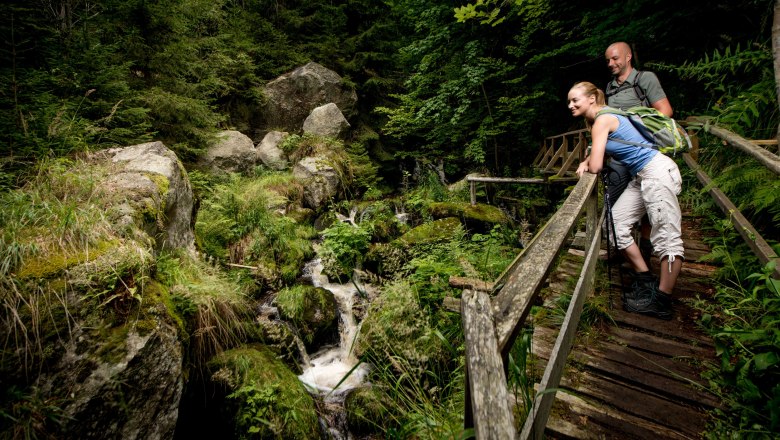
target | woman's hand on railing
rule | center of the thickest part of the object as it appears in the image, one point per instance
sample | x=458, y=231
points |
x=583, y=168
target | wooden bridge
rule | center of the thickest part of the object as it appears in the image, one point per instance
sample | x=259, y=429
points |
x=635, y=377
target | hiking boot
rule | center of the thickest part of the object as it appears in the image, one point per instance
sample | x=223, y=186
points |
x=649, y=280
x=645, y=298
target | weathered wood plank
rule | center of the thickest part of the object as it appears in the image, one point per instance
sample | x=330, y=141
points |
x=559, y=154
x=754, y=240
x=513, y=301
x=636, y=402
x=492, y=415
x=678, y=368
x=486, y=179
x=662, y=346
x=577, y=153
x=470, y=283
x=633, y=368
x=765, y=157
x=607, y=423
x=537, y=418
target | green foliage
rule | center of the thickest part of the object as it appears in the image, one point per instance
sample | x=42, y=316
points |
x=343, y=248
x=741, y=85
x=32, y=415
x=236, y=225
x=264, y=399
x=745, y=327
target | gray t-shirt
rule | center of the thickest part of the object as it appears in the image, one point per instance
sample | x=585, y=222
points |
x=627, y=97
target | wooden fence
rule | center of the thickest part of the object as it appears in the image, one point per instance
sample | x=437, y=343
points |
x=491, y=325
x=560, y=154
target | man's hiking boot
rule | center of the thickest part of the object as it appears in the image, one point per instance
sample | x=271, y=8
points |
x=645, y=298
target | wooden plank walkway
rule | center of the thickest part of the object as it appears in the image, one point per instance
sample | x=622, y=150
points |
x=639, y=377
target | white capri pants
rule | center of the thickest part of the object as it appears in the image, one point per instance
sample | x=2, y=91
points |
x=653, y=191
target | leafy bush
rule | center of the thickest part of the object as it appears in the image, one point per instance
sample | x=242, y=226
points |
x=343, y=248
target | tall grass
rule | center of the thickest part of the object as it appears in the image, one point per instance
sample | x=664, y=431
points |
x=213, y=307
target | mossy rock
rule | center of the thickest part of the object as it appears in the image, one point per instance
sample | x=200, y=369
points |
x=385, y=259
x=433, y=232
x=301, y=215
x=479, y=217
x=279, y=337
x=366, y=411
x=395, y=324
x=263, y=398
x=312, y=310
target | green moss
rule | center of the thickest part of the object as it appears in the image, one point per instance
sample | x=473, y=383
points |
x=54, y=263
x=366, y=410
x=478, y=213
x=264, y=398
x=312, y=310
x=433, y=232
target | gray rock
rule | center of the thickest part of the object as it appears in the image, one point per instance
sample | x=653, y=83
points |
x=320, y=181
x=292, y=96
x=269, y=152
x=151, y=188
x=328, y=121
x=233, y=152
x=127, y=387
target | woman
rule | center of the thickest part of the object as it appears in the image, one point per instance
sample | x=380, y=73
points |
x=653, y=190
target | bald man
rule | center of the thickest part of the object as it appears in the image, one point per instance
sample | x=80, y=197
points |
x=630, y=87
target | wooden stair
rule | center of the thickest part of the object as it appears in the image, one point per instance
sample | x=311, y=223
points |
x=637, y=376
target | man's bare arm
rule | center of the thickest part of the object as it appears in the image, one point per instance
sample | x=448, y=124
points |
x=664, y=106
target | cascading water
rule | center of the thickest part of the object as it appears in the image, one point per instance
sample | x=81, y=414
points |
x=334, y=370
x=331, y=364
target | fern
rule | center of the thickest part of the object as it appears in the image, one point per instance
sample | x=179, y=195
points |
x=742, y=85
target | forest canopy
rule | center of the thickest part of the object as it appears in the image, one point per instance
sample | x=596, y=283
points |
x=469, y=85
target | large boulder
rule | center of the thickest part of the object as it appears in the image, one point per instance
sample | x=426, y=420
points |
x=125, y=386
x=320, y=181
x=292, y=96
x=269, y=152
x=255, y=396
x=151, y=189
x=326, y=121
x=233, y=151
x=312, y=310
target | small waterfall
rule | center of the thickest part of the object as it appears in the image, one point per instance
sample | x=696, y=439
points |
x=328, y=367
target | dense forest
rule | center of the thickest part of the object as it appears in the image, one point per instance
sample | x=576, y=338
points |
x=449, y=88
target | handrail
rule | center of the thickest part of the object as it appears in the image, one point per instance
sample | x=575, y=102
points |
x=754, y=240
x=560, y=159
x=490, y=327
x=770, y=160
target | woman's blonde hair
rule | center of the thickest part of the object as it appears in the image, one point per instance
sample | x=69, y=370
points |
x=590, y=89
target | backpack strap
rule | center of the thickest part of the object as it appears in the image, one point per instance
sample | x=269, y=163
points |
x=611, y=90
x=638, y=90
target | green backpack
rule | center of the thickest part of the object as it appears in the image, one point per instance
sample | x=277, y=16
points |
x=663, y=131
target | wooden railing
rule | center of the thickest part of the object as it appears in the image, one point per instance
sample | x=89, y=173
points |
x=560, y=154
x=771, y=161
x=491, y=325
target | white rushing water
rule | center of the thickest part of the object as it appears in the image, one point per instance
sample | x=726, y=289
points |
x=329, y=366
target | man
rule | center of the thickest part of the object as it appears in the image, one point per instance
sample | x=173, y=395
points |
x=625, y=90
x=631, y=88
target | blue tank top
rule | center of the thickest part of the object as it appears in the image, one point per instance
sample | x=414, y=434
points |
x=632, y=156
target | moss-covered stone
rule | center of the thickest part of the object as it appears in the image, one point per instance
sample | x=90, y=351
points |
x=366, y=411
x=263, y=399
x=312, y=310
x=55, y=262
x=385, y=259
x=395, y=324
x=479, y=217
x=432, y=232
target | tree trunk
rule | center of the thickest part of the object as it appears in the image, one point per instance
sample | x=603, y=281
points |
x=776, y=54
